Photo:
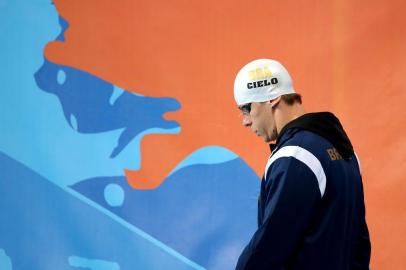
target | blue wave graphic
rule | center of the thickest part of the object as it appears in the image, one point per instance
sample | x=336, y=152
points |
x=206, y=212
x=43, y=225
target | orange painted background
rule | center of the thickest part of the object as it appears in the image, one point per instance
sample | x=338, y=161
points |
x=345, y=56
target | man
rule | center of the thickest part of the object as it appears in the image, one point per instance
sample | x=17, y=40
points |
x=311, y=212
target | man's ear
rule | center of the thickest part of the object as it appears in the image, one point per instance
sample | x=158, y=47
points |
x=275, y=102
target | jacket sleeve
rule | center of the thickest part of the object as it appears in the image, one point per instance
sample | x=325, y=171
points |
x=292, y=193
x=362, y=245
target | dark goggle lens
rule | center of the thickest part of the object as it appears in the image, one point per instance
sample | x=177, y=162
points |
x=246, y=108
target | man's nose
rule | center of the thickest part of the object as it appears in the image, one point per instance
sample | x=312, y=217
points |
x=246, y=121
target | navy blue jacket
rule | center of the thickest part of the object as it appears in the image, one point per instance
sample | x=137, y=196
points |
x=311, y=212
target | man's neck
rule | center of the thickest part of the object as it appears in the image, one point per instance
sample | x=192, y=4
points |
x=287, y=113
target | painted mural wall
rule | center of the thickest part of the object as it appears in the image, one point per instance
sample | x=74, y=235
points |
x=120, y=143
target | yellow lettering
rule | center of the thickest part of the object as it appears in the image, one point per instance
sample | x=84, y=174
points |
x=337, y=154
x=331, y=154
x=259, y=74
x=334, y=155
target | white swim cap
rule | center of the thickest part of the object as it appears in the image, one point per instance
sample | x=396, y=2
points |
x=262, y=80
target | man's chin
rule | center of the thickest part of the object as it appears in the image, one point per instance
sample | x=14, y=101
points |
x=267, y=140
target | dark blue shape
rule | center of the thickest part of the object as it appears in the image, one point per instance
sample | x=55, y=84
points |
x=86, y=97
x=64, y=24
x=202, y=211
